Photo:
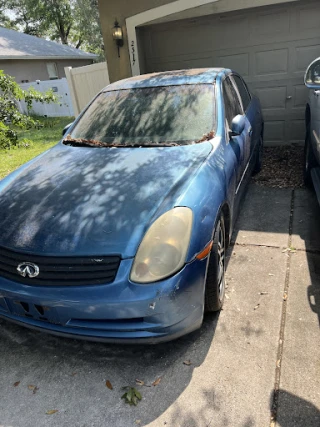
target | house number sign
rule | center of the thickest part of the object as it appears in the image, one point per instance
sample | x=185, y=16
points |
x=133, y=53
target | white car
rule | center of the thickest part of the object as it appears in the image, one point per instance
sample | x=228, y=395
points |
x=312, y=142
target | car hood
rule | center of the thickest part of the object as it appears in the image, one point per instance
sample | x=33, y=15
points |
x=93, y=201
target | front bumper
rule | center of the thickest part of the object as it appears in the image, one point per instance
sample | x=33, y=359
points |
x=119, y=312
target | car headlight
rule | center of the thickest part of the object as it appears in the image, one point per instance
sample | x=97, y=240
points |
x=163, y=249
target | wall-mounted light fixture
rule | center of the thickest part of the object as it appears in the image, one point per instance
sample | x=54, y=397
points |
x=117, y=35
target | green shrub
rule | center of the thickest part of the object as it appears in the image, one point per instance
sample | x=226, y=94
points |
x=10, y=116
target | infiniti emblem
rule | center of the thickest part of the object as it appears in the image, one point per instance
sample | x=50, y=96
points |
x=28, y=269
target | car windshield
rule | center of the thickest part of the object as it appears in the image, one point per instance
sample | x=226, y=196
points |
x=149, y=116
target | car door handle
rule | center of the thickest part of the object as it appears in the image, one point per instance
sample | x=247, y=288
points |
x=289, y=97
x=250, y=132
x=316, y=92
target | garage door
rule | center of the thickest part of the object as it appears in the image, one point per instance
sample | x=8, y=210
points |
x=270, y=47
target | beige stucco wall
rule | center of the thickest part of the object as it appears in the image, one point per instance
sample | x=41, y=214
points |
x=110, y=10
x=36, y=69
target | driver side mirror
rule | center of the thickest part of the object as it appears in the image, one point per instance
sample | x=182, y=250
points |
x=65, y=129
x=312, y=76
x=237, y=126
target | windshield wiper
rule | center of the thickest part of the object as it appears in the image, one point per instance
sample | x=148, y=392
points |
x=81, y=142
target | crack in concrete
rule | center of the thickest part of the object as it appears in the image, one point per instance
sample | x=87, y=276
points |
x=258, y=245
x=276, y=390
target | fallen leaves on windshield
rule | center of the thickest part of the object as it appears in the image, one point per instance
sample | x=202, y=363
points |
x=81, y=142
x=207, y=136
x=84, y=142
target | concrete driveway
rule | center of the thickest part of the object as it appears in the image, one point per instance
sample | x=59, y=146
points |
x=255, y=364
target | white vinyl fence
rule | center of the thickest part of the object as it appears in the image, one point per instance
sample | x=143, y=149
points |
x=61, y=90
x=85, y=82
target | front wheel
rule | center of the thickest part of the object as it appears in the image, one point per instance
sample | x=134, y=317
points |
x=215, y=283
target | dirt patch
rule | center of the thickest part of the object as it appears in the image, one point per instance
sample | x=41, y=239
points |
x=282, y=167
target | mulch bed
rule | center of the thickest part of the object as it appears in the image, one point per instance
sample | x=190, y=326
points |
x=282, y=167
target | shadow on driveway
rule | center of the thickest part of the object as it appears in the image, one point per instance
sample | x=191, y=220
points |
x=70, y=375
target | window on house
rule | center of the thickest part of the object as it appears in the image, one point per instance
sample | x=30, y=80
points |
x=52, y=70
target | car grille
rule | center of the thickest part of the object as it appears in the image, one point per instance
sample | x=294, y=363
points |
x=60, y=271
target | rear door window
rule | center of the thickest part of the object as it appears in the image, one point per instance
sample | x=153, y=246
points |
x=231, y=101
x=243, y=90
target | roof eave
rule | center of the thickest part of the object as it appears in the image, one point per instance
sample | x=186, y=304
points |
x=48, y=57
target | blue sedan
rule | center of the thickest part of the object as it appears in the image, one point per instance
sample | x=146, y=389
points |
x=119, y=232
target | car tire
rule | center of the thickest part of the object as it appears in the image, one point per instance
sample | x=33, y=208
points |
x=309, y=159
x=215, y=282
x=258, y=163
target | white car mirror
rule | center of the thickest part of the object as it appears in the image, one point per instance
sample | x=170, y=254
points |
x=312, y=76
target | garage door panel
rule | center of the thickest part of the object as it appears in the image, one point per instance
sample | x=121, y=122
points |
x=300, y=96
x=305, y=55
x=198, y=62
x=280, y=23
x=271, y=62
x=164, y=66
x=296, y=131
x=233, y=31
x=180, y=64
x=308, y=18
x=274, y=131
x=180, y=42
x=272, y=97
x=239, y=62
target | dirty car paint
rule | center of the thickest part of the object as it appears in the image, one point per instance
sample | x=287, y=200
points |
x=99, y=202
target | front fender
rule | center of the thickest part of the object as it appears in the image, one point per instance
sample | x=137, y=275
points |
x=206, y=196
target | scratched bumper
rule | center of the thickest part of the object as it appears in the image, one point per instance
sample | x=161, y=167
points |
x=121, y=312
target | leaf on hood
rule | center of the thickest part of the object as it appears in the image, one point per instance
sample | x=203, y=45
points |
x=52, y=411
x=109, y=385
x=16, y=384
x=139, y=382
x=187, y=362
x=156, y=382
x=35, y=390
x=31, y=387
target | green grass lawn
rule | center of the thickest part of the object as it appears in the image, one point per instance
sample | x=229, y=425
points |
x=42, y=139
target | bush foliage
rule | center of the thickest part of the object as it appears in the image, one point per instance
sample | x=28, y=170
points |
x=10, y=116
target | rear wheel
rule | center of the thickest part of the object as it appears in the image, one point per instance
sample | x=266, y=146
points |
x=309, y=159
x=215, y=283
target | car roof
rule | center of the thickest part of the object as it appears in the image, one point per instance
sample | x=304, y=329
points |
x=169, y=78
